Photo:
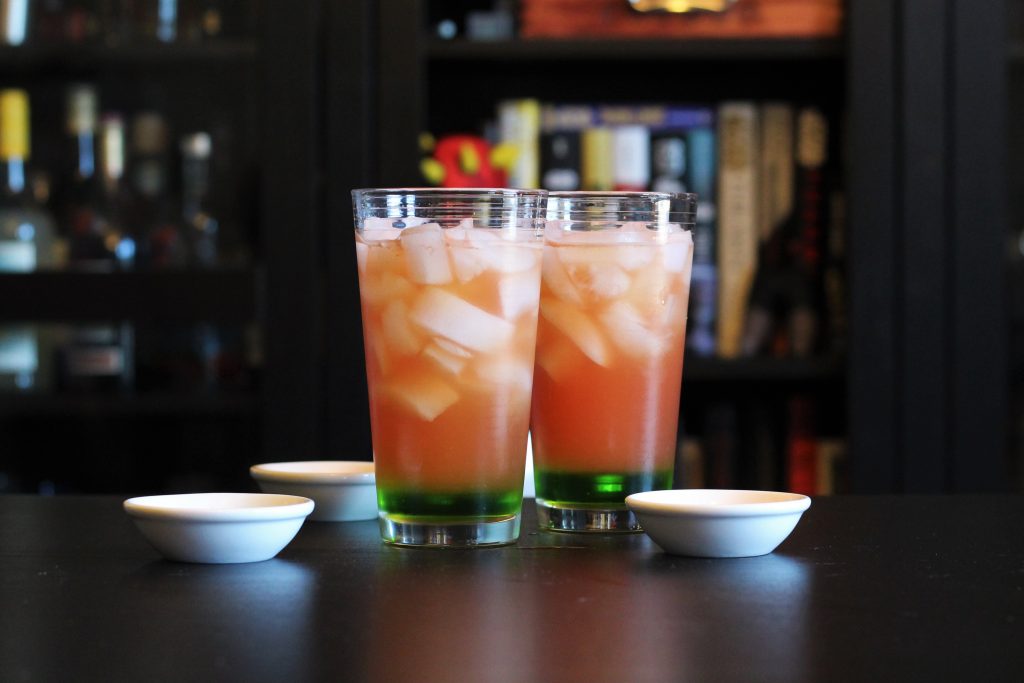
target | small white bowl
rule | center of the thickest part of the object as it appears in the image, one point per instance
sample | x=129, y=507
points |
x=219, y=528
x=344, y=490
x=718, y=522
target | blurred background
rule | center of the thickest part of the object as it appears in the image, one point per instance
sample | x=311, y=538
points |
x=178, y=298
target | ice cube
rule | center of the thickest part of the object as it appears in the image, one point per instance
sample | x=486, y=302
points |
x=625, y=256
x=425, y=396
x=448, y=362
x=676, y=255
x=558, y=358
x=468, y=262
x=426, y=255
x=445, y=314
x=505, y=372
x=673, y=313
x=482, y=237
x=557, y=279
x=600, y=280
x=397, y=332
x=627, y=330
x=456, y=235
x=362, y=254
x=578, y=327
x=380, y=226
x=384, y=287
x=512, y=258
x=451, y=347
x=519, y=294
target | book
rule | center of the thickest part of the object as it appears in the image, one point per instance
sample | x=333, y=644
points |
x=701, y=177
x=561, y=161
x=561, y=139
x=834, y=277
x=776, y=194
x=801, y=448
x=830, y=463
x=812, y=218
x=737, y=219
x=631, y=152
x=598, y=160
x=519, y=125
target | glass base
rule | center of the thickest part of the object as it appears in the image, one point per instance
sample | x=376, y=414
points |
x=586, y=520
x=448, y=533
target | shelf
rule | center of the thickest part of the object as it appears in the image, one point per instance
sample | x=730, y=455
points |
x=221, y=296
x=593, y=50
x=1015, y=53
x=145, y=56
x=155, y=405
x=779, y=370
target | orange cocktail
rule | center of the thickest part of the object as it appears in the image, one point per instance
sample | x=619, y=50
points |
x=449, y=284
x=614, y=295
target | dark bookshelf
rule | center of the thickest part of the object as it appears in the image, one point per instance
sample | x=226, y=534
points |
x=247, y=86
x=62, y=58
x=168, y=405
x=626, y=50
x=819, y=370
x=228, y=295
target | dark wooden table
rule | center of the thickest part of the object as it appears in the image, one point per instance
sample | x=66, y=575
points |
x=866, y=589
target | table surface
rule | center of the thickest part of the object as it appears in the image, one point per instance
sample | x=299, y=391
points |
x=866, y=588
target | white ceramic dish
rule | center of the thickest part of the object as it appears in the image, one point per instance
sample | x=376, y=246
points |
x=219, y=527
x=344, y=490
x=718, y=522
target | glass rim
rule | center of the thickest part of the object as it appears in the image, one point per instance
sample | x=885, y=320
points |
x=452, y=191
x=621, y=194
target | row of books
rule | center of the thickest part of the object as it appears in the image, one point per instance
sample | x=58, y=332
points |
x=743, y=446
x=768, y=276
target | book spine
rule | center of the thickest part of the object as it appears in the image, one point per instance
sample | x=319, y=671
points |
x=775, y=210
x=631, y=153
x=519, y=125
x=835, y=274
x=801, y=448
x=668, y=161
x=701, y=175
x=737, y=220
x=811, y=216
x=560, y=160
x=598, y=160
x=777, y=168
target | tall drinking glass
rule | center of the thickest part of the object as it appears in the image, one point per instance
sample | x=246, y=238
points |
x=616, y=280
x=449, y=282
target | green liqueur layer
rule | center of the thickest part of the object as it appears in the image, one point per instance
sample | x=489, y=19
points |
x=597, y=489
x=440, y=506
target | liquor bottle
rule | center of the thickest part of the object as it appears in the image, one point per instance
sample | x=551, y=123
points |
x=201, y=231
x=200, y=227
x=80, y=192
x=118, y=236
x=99, y=357
x=26, y=244
x=202, y=20
x=153, y=211
x=158, y=20
x=14, y=21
